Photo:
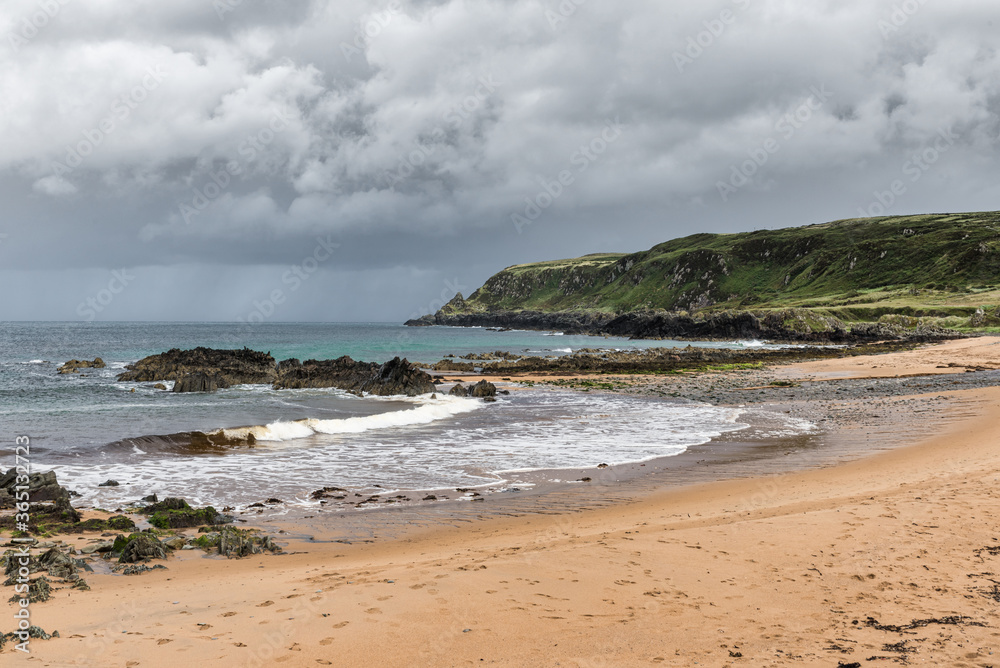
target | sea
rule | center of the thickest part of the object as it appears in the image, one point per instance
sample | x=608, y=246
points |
x=91, y=428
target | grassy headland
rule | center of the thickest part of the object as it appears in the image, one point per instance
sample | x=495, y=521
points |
x=940, y=270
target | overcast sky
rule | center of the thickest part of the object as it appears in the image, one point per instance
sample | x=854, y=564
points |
x=356, y=160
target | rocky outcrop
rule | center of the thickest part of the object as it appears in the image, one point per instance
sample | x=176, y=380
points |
x=395, y=377
x=459, y=390
x=139, y=547
x=41, y=487
x=174, y=513
x=74, y=366
x=226, y=367
x=790, y=325
x=197, y=382
x=206, y=370
x=661, y=360
x=483, y=389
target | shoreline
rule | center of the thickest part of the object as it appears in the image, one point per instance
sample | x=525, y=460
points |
x=761, y=522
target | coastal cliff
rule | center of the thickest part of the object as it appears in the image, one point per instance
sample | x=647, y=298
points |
x=915, y=277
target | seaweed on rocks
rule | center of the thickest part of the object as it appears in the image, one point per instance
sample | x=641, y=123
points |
x=139, y=547
x=175, y=513
x=953, y=620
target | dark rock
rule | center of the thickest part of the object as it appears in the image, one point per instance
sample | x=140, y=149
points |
x=395, y=377
x=150, y=499
x=234, y=543
x=171, y=503
x=484, y=389
x=120, y=523
x=39, y=591
x=58, y=564
x=206, y=369
x=109, y=483
x=74, y=366
x=459, y=391
x=41, y=486
x=788, y=325
x=139, y=547
x=198, y=382
x=137, y=569
x=274, y=501
x=227, y=367
x=159, y=386
x=174, y=513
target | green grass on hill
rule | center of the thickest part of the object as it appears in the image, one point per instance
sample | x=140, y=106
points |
x=943, y=266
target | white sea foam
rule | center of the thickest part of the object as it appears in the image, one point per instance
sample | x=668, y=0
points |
x=37, y=362
x=437, y=444
x=431, y=411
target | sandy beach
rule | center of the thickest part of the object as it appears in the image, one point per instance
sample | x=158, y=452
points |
x=885, y=560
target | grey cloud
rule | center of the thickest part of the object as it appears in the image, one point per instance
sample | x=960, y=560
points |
x=416, y=133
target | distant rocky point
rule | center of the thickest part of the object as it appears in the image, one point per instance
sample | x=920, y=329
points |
x=208, y=369
x=902, y=278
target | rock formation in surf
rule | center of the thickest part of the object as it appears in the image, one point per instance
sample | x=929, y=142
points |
x=206, y=369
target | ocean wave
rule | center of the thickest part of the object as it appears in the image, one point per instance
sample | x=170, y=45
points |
x=430, y=411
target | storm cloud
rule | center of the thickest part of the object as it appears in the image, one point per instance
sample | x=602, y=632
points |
x=367, y=159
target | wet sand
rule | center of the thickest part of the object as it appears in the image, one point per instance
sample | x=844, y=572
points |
x=877, y=522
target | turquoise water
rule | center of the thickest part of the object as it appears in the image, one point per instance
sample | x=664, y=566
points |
x=90, y=427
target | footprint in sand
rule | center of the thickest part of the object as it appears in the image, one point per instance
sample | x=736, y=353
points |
x=227, y=614
x=340, y=625
x=417, y=586
x=265, y=604
x=163, y=641
x=373, y=611
x=323, y=662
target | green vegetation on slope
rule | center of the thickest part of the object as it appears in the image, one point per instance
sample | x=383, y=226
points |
x=945, y=266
